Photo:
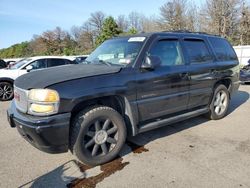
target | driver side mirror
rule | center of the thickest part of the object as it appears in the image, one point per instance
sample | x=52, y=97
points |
x=29, y=68
x=151, y=62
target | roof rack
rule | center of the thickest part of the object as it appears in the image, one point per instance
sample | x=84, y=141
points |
x=187, y=31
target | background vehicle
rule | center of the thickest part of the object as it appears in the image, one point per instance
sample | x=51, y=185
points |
x=7, y=76
x=245, y=73
x=80, y=59
x=128, y=86
x=2, y=64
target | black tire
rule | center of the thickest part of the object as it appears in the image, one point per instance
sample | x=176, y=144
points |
x=6, y=91
x=87, y=134
x=220, y=103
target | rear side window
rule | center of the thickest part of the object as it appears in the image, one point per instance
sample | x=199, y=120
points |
x=223, y=50
x=55, y=62
x=197, y=51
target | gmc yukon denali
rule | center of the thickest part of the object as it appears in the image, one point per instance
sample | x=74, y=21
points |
x=128, y=85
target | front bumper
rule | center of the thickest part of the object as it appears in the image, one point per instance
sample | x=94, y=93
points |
x=49, y=134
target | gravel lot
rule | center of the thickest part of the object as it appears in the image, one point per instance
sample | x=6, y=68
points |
x=194, y=153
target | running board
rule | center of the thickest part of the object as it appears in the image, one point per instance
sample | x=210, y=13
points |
x=163, y=122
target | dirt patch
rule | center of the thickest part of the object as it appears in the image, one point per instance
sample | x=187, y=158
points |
x=83, y=167
x=107, y=170
x=244, y=146
x=136, y=148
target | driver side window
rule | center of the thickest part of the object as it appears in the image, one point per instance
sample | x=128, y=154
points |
x=169, y=51
x=38, y=64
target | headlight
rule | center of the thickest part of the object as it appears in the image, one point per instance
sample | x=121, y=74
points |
x=43, y=102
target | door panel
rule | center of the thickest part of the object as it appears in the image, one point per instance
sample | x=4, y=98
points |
x=201, y=70
x=202, y=79
x=164, y=90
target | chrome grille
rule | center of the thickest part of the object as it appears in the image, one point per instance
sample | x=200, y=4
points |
x=21, y=99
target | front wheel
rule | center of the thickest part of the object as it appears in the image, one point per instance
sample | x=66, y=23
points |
x=6, y=91
x=220, y=103
x=97, y=135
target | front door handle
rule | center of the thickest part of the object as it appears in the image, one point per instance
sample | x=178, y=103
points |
x=184, y=75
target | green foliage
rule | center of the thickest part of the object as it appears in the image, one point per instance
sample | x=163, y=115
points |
x=132, y=31
x=17, y=50
x=109, y=30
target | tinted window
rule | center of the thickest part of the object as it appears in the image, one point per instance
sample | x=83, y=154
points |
x=2, y=64
x=169, y=52
x=69, y=62
x=197, y=51
x=38, y=64
x=223, y=50
x=55, y=62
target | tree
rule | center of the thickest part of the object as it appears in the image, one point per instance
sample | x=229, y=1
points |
x=16, y=50
x=192, y=23
x=132, y=31
x=122, y=23
x=173, y=15
x=109, y=30
x=135, y=20
x=221, y=17
x=244, y=30
x=96, y=20
x=149, y=24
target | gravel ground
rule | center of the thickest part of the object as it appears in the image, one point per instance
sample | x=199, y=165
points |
x=193, y=153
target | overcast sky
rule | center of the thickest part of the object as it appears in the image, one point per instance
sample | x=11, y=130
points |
x=21, y=19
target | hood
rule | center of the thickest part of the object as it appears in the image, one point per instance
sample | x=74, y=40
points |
x=50, y=76
x=6, y=72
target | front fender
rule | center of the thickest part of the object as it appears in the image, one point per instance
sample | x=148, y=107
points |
x=5, y=79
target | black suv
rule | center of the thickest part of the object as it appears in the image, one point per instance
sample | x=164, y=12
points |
x=128, y=85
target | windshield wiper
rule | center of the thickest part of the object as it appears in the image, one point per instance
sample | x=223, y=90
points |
x=86, y=61
x=106, y=63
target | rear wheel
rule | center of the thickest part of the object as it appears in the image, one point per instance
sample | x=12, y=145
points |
x=6, y=91
x=97, y=135
x=220, y=103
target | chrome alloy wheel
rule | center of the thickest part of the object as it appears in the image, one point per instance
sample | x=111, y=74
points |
x=6, y=92
x=101, y=137
x=220, y=102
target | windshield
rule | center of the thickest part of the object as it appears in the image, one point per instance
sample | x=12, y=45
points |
x=121, y=51
x=20, y=63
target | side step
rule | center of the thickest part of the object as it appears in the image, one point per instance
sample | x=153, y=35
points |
x=163, y=122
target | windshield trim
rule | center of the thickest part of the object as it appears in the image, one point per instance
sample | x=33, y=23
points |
x=140, y=53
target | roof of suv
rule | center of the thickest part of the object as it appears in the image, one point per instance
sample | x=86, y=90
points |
x=174, y=33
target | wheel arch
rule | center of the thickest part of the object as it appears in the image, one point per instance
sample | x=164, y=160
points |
x=119, y=103
x=7, y=80
x=227, y=82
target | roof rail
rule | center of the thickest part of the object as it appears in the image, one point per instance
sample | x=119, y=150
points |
x=187, y=31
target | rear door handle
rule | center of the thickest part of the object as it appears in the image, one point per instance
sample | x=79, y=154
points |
x=213, y=71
